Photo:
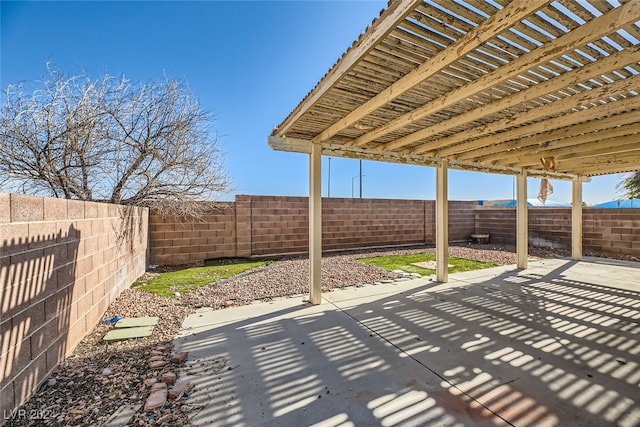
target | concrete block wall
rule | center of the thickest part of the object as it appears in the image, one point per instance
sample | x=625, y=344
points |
x=280, y=224
x=277, y=225
x=178, y=240
x=357, y=223
x=61, y=264
x=609, y=231
x=461, y=220
x=550, y=228
x=499, y=222
x=271, y=225
x=613, y=231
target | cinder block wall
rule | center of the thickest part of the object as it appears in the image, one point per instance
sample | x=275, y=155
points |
x=499, y=222
x=277, y=224
x=61, y=264
x=271, y=225
x=550, y=227
x=609, y=231
x=358, y=223
x=280, y=224
x=613, y=231
x=461, y=221
x=178, y=240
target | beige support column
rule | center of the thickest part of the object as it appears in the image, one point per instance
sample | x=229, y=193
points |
x=442, y=223
x=315, y=223
x=576, y=220
x=522, y=221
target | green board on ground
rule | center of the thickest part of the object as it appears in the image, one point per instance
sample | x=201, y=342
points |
x=133, y=322
x=128, y=333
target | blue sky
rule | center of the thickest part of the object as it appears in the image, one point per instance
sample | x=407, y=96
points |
x=250, y=63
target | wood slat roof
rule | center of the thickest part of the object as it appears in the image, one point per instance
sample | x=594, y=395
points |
x=489, y=85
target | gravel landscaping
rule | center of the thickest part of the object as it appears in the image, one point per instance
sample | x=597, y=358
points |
x=96, y=380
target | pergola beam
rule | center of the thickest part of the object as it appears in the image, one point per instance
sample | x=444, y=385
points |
x=378, y=31
x=496, y=24
x=581, y=36
x=578, y=134
x=596, y=147
x=304, y=146
x=595, y=69
x=618, y=162
x=576, y=104
x=613, y=168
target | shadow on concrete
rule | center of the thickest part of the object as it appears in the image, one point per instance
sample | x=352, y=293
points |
x=554, y=345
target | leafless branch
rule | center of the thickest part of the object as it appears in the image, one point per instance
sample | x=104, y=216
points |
x=112, y=140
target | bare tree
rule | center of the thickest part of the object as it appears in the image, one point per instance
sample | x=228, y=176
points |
x=111, y=140
x=630, y=186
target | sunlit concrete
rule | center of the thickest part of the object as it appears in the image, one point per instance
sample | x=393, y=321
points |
x=555, y=345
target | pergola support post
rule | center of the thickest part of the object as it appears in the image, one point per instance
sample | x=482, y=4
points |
x=576, y=220
x=442, y=223
x=315, y=224
x=522, y=221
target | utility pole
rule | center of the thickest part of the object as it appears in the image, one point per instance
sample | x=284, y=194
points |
x=361, y=178
x=329, y=180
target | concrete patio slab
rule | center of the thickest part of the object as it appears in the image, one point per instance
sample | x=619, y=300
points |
x=554, y=345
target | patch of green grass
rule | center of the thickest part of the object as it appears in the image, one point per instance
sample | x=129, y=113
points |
x=405, y=263
x=188, y=279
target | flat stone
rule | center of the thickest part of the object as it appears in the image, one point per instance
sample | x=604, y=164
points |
x=150, y=381
x=180, y=357
x=158, y=386
x=156, y=400
x=156, y=353
x=229, y=303
x=161, y=348
x=158, y=364
x=128, y=333
x=430, y=265
x=154, y=358
x=169, y=377
x=179, y=388
x=134, y=322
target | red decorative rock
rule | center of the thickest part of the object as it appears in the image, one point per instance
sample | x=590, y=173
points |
x=156, y=400
x=150, y=381
x=180, y=388
x=169, y=377
x=180, y=357
x=158, y=386
x=165, y=418
x=158, y=364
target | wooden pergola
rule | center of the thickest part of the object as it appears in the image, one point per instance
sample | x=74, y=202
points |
x=481, y=85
